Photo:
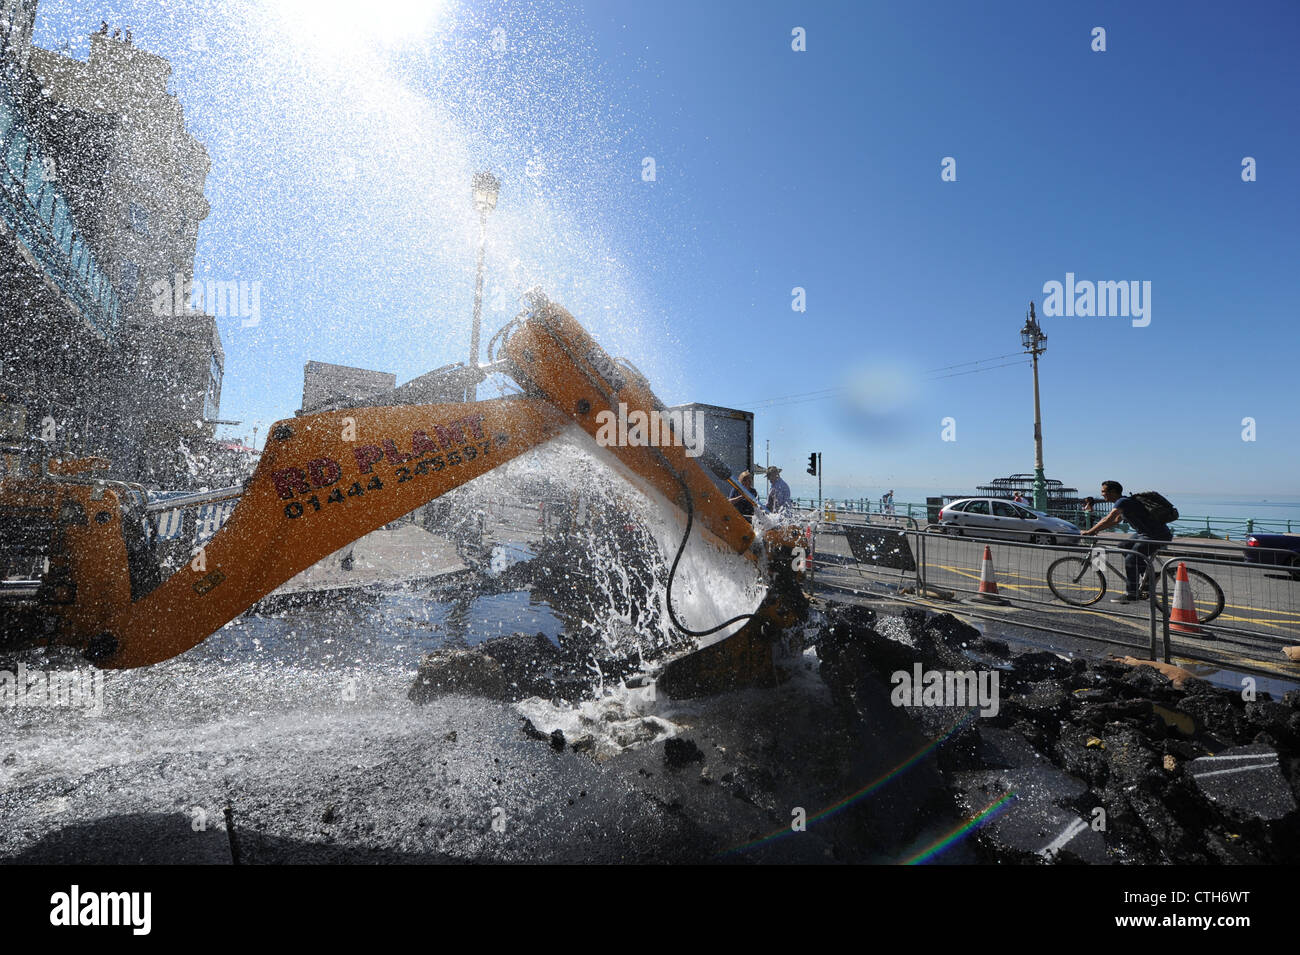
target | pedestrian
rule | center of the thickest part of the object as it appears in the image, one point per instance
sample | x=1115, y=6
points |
x=778, y=492
x=740, y=501
x=889, y=502
x=1088, y=504
x=1150, y=534
x=1019, y=498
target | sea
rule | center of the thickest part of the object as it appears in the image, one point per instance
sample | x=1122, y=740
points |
x=1280, y=514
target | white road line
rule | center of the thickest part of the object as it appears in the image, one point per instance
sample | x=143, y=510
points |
x=1241, y=756
x=1239, y=769
x=1055, y=846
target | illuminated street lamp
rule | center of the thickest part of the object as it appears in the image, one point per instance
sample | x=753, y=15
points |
x=1032, y=338
x=486, y=186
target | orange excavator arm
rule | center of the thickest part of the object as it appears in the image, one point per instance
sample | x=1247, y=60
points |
x=314, y=492
x=326, y=479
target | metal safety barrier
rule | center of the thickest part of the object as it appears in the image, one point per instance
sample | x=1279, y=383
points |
x=1260, y=612
x=1258, y=615
x=873, y=548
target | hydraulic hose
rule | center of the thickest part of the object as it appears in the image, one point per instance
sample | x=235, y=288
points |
x=681, y=549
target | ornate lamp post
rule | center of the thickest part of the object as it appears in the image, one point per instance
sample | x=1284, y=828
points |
x=1032, y=338
x=486, y=187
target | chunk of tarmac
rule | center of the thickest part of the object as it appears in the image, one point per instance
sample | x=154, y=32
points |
x=1044, y=821
x=1074, y=735
x=1246, y=780
x=504, y=668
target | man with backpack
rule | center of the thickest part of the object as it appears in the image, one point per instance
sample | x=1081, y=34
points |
x=1148, y=514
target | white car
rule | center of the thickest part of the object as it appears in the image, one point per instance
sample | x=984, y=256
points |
x=992, y=517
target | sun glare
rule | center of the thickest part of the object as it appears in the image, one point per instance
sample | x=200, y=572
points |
x=336, y=26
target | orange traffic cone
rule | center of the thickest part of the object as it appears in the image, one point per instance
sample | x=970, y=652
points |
x=988, y=584
x=1182, y=616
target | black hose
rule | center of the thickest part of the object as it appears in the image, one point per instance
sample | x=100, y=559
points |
x=681, y=549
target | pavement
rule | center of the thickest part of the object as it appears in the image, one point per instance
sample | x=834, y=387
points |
x=404, y=551
x=407, y=551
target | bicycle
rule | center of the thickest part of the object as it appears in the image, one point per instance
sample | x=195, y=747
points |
x=1081, y=582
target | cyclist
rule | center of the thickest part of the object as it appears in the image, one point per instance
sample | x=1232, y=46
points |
x=1150, y=534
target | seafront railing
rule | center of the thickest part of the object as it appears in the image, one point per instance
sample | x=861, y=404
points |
x=1222, y=528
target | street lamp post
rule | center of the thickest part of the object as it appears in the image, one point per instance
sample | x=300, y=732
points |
x=1032, y=338
x=486, y=187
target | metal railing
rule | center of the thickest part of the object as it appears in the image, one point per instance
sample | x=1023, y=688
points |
x=1228, y=526
x=863, y=506
x=1261, y=613
x=831, y=539
x=1188, y=526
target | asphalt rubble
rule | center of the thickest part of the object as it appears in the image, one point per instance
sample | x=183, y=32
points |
x=1099, y=760
x=1084, y=761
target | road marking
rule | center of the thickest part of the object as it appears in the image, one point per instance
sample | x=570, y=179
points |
x=1280, y=613
x=1073, y=829
x=1229, y=772
x=1276, y=625
x=1272, y=756
x=974, y=575
x=1204, y=605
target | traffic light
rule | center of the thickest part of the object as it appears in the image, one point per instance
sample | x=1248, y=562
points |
x=812, y=464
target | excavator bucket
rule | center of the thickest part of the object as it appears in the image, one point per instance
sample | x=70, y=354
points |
x=746, y=658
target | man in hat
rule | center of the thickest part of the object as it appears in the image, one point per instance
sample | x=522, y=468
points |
x=739, y=500
x=778, y=492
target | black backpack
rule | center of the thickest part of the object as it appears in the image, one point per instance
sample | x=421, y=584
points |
x=1158, y=507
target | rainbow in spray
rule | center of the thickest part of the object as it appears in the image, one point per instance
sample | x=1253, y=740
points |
x=862, y=793
x=950, y=839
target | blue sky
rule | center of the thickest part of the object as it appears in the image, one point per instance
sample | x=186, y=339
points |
x=342, y=152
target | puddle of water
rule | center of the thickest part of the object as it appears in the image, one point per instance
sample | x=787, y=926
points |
x=405, y=622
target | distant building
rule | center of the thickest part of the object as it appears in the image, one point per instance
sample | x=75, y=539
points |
x=17, y=19
x=101, y=197
x=59, y=310
x=325, y=386
x=446, y=385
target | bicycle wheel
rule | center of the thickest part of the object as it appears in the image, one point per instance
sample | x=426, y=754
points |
x=1075, y=581
x=1207, y=595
